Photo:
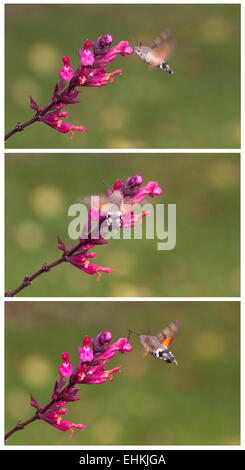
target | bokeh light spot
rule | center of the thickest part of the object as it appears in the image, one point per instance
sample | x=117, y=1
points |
x=209, y=345
x=222, y=174
x=43, y=58
x=47, y=201
x=129, y=290
x=29, y=236
x=216, y=29
x=123, y=142
x=230, y=441
x=233, y=130
x=35, y=370
x=106, y=432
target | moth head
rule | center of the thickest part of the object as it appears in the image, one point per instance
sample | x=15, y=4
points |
x=139, y=48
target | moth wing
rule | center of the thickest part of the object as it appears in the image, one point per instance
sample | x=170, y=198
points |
x=148, y=331
x=115, y=198
x=87, y=199
x=84, y=200
x=127, y=205
x=167, y=335
x=166, y=342
x=161, y=50
x=103, y=203
x=150, y=343
x=164, y=36
x=103, y=200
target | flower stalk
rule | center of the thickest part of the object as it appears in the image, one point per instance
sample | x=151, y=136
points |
x=117, y=213
x=91, y=71
x=93, y=356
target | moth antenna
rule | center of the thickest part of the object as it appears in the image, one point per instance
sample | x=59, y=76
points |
x=107, y=185
x=134, y=332
x=136, y=40
x=147, y=330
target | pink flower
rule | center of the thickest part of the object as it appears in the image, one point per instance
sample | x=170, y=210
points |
x=97, y=375
x=117, y=185
x=90, y=72
x=130, y=218
x=107, y=336
x=151, y=189
x=136, y=193
x=138, y=180
x=96, y=269
x=94, y=372
x=54, y=417
x=81, y=261
x=102, y=341
x=80, y=374
x=121, y=48
x=87, y=57
x=86, y=353
x=66, y=72
x=108, y=39
x=96, y=77
x=121, y=345
x=54, y=120
x=131, y=194
x=93, y=355
x=65, y=368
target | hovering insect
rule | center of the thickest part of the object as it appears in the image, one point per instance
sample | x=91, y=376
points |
x=159, y=52
x=115, y=207
x=112, y=208
x=158, y=345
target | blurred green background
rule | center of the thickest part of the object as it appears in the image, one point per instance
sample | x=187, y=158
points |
x=149, y=402
x=197, y=107
x=204, y=187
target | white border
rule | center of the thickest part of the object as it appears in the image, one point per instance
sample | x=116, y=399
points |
x=140, y=151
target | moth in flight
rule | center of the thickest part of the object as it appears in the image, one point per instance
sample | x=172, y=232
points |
x=158, y=346
x=122, y=205
x=159, y=52
x=113, y=208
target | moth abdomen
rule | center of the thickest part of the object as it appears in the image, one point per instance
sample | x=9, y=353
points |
x=165, y=66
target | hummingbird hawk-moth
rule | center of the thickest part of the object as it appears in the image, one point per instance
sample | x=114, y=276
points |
x=159, y=52
x=158, y=346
